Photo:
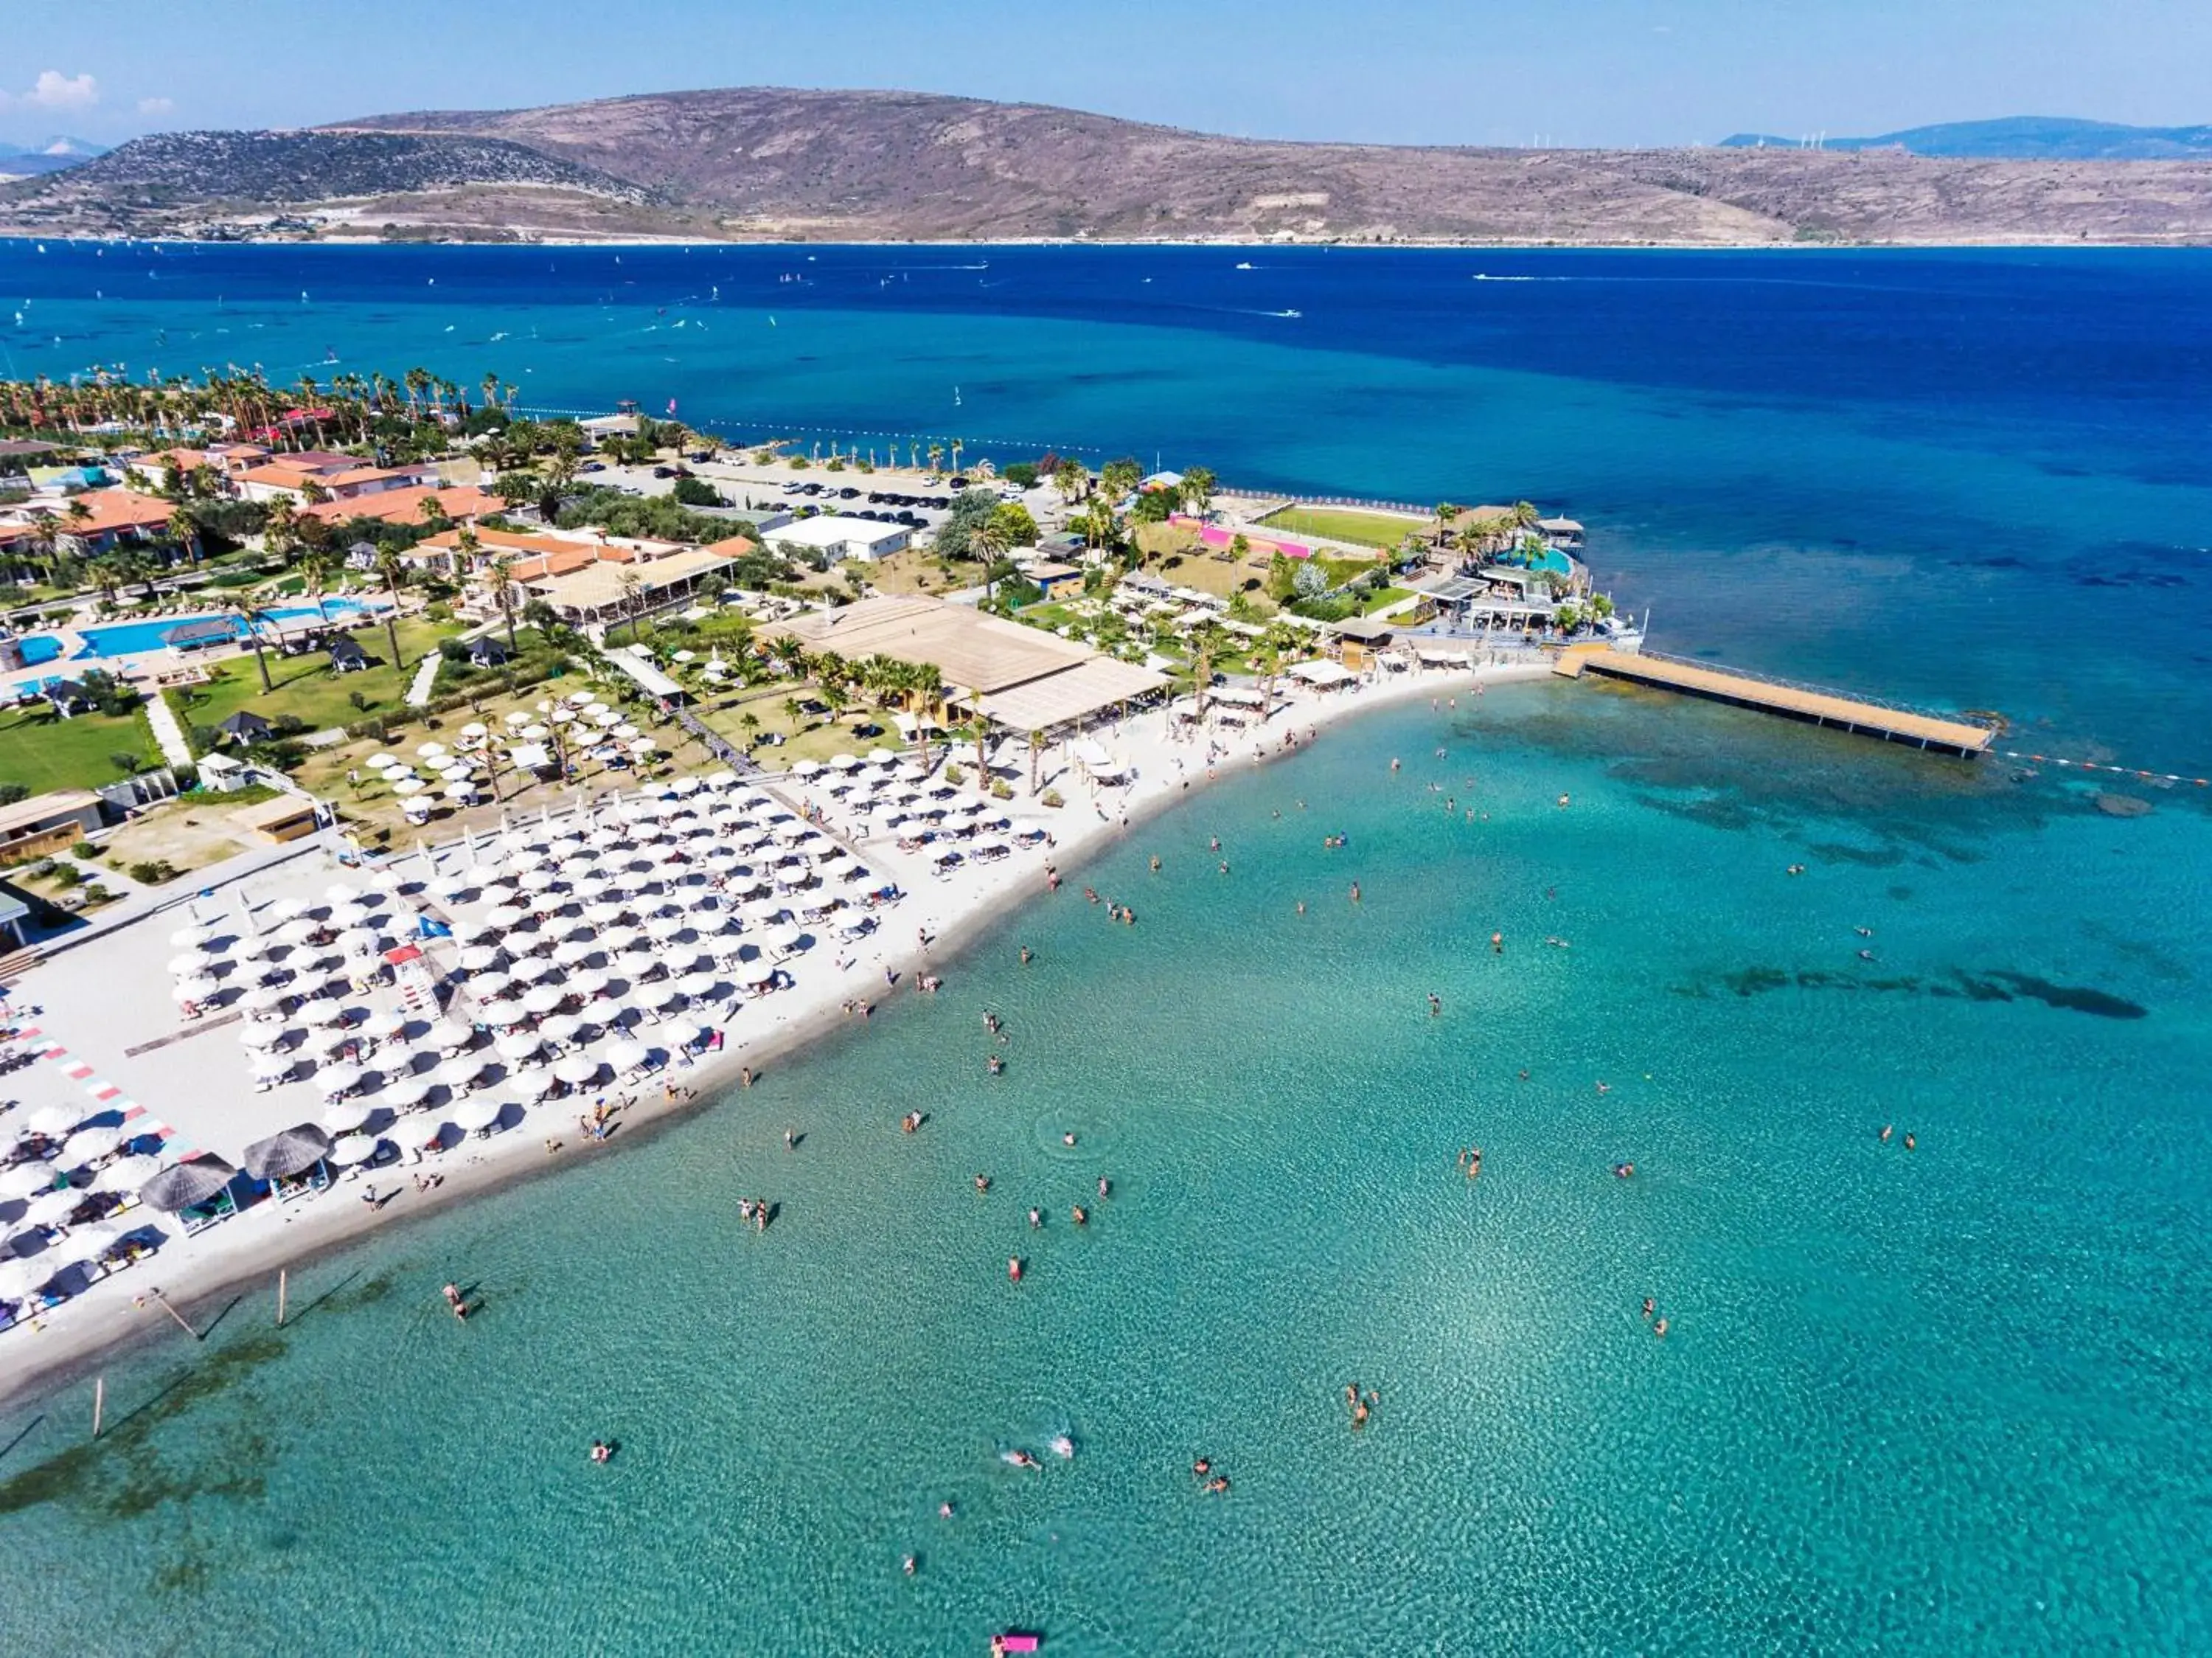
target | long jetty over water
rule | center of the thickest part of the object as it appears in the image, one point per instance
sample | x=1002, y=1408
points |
x=1930, y=731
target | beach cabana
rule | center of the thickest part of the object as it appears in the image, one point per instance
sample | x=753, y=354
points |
x=291, y=1161
x=198, y=1193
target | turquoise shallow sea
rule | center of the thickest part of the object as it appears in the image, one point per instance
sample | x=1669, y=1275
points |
x=1944, y=1400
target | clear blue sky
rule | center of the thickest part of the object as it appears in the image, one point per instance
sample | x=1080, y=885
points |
x=1467, y=72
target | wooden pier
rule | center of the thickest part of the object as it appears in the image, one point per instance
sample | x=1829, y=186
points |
x=1947, y=737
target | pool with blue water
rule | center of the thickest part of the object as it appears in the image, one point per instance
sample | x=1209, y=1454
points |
x=138, y=639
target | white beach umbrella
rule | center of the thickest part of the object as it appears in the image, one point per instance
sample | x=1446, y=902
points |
x=189, y=963
x=756, y=973
x=542, y=998
x=406, y=1091
x=460, y=1071
x=666, y=928
x=378, y=761
x=331, y=1040
x=428, y=1130
x=587, y=981
x=322, y=1011
x=352, y=1148
x=429, y=750
x=573, y=952
x=337, y=1079
x=501, y=915
x=477, y=1115
x=346, y=1116
x=532, y=968
x=254, y=945
x=87, y=1144
x=263, y=998
x=540, y=881
x=519, y=1047
x=881, y=756
x=489, y=986
x=619, y=938
x=297, y=932
x=196, y=990
x=561, y=1027
x=409, y=786
x=287, y=909
x=478, y=957
x=451, y=1036
x=127, y=1174
x=576, y=1068
x=696, y=986
x=659, y=995
x=628, y=1055
x=25, y=1180
x=384, y=1024
x=535, y=1084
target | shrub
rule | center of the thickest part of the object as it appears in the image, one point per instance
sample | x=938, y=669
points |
x=955, y=774
x=125, y=763
x=152, y=874
x=1001, y=789
x=698, y=492
x=11, y=791
x=63, y=874
x=1052, y=797
x=85, y=849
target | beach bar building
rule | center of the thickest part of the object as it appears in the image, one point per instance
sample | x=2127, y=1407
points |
x=1021, y=678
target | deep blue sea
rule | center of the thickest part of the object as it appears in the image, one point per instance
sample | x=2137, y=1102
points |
x=1946, y=1400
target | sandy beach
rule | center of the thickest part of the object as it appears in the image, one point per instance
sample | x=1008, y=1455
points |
x=94, y=999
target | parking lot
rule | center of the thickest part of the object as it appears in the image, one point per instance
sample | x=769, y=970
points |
x=915, y=500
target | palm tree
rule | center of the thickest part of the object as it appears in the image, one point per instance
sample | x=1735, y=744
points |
x=501, y=580
x=1446, y=511
x=314, y=565
x=253, y=637
x=1036, y=756
x=1071, y=480
x=1117, y=477
x=280, y=530
x=936, y=457
x=1197, y=490
x=393, y=569
x=631, y=583
x=1209, y=642
x=184, y=530
x=957, y=446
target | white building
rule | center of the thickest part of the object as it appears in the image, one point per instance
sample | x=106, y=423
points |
x=838, y=537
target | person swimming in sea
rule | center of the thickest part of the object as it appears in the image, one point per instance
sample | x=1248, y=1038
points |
x=996, y=1065
x=601, y=1451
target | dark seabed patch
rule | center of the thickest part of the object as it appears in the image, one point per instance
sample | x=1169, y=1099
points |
x=120, y=1475
x=1991, y=985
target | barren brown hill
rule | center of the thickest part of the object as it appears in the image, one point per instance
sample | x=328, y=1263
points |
x=754, y=162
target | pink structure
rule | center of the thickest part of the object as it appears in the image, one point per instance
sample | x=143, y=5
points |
x=1214, y=536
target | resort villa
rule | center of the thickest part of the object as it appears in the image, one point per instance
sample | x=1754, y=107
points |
x=110, y=516
x=589, y=580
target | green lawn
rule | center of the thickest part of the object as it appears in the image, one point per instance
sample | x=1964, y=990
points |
x=1382, y=598
x=304, y=685
x=42, y=752
x=1362, y=529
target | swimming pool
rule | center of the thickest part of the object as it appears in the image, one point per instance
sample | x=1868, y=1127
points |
x=139, y=638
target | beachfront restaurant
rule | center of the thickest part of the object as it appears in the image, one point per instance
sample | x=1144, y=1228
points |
x=1469, y=605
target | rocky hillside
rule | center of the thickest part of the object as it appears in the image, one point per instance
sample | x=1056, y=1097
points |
x=767, y=162
x=150, y=181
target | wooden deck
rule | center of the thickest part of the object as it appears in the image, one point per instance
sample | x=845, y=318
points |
x=1817, y=707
